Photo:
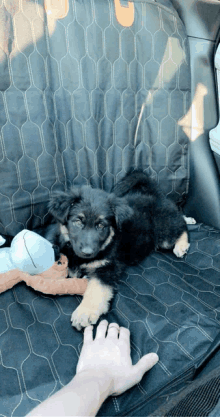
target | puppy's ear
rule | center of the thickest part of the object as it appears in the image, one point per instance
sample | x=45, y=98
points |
x=122, y=211
x=61, y=202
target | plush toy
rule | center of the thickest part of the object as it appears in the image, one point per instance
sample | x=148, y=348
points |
x=31, y=259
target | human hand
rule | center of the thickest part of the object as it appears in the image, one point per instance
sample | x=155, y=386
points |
x=109, y=354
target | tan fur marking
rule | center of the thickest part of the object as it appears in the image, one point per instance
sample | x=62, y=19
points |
x=182, y=245
x=95, y=264
x=64, y=232
x=166, y=245
x=109, y=239
x=95, y=302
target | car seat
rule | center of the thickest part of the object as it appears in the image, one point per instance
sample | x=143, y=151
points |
x=88, y=89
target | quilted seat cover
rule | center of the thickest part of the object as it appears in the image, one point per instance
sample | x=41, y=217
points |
x=171, y=307
x=84, y=96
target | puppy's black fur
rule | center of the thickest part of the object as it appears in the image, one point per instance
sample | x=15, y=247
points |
x=114, y=230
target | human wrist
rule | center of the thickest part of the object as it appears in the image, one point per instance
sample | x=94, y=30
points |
x=101, y=378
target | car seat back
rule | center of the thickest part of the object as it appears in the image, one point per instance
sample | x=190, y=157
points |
x=86, y=96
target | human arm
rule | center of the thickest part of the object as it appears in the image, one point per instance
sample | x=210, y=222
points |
x=104, y=369
x=83, y=396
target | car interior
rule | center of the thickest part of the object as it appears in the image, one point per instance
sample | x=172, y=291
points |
x=88, y=90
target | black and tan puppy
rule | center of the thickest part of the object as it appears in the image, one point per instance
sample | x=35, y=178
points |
x=102, y=233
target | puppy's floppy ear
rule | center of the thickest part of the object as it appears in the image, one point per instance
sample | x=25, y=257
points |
x=61, y=202
x=122, y=211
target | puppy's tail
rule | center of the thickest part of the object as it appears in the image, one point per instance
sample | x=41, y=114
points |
x=136, y=181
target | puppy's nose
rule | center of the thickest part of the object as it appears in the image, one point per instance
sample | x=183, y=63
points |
x=87, y=251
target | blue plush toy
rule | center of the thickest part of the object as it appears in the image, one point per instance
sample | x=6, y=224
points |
x=29, y=253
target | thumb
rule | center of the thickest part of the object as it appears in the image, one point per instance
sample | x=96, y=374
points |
x=144, y=365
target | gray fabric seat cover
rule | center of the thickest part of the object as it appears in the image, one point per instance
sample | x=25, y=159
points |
x=71, y=93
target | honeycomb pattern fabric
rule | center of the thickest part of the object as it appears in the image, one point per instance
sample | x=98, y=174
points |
x=170, y=305
x=83, y=99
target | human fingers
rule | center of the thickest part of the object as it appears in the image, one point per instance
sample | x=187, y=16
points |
x=124, y=334
x=88, y=336
x=113, y=330
x=135, y=373
x=101, y=329
x=145, y=364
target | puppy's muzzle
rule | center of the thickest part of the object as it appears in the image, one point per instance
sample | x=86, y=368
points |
x=87, y=252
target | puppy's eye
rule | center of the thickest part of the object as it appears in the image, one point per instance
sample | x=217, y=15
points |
x=78, y=223
x=100, y=226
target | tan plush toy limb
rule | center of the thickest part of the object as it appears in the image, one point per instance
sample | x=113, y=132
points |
x=30, y=258
x=53, y=281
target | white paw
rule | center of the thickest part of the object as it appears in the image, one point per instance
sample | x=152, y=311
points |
x=181, y=248
x=189, y=220
x=83, y=317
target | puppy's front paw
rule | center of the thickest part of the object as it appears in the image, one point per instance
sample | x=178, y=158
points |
x=182, y=245
x=95, y=303
x=83, y=317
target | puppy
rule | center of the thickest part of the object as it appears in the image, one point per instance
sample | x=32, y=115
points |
x=102, y=234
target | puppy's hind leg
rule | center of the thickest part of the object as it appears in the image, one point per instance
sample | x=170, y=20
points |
x=189, y=220
x=182, y=245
